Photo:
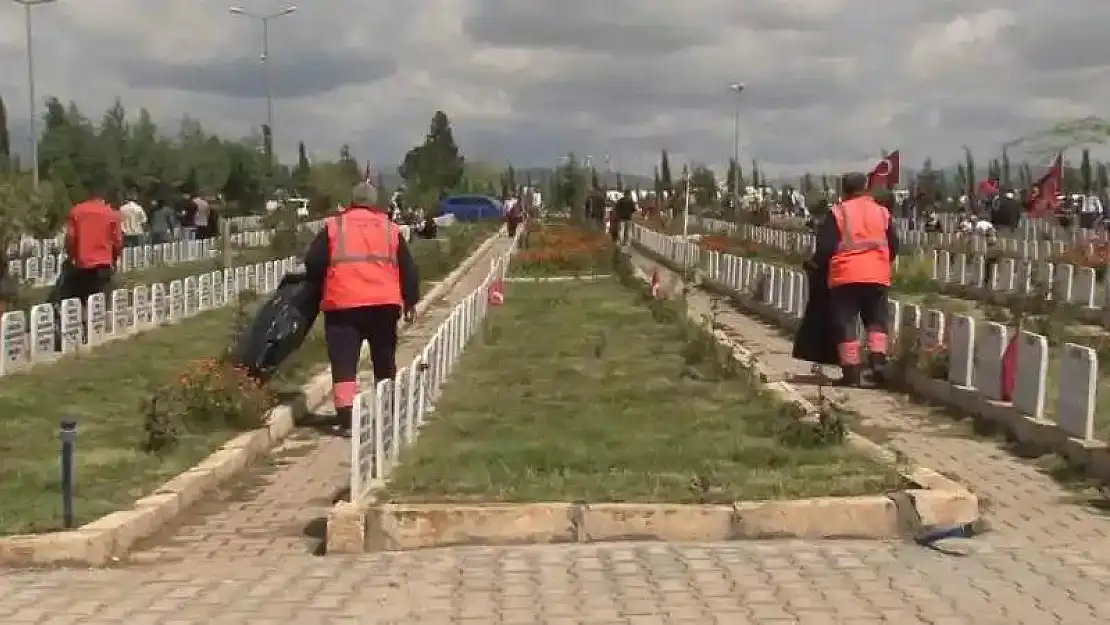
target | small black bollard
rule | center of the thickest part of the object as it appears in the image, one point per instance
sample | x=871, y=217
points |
x=68, y=435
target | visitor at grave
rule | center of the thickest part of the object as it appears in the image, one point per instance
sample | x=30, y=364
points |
x=94, y=241
x=368, y=281
x=134, y=222
x=858, y=243
x=162, y=223
x=622, y=214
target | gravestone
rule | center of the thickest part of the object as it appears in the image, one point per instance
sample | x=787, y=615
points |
x=241, y=283
x=13, y=332
x=96, y=318
x=961, y=350
x=142, y=307
x=1032, y=372
x=932, y=328
x=990, y=345
x=205, y=296
x=121, y=312
x=269, y=277
x=159, y=304
x=42, y=332
x=190, y=296
x=977, y=272
x=1006, y=274
x=801, y=290
x=34, y=270
x=70, y=318
x=177, y=300
x=960, y=276
x=1063, y=282
x=1075, y=402
x=1086, y=284
x=49, y=269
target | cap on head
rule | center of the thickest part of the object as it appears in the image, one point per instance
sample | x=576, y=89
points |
x=364, y=194
x=853, y=183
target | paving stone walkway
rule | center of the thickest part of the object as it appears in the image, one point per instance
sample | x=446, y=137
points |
x=1048, y=560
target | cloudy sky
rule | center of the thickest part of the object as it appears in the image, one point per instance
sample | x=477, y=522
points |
x=830, y=83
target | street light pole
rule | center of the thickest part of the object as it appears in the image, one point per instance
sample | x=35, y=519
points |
x=32, y=104
x=265, y=57
x=738, y=88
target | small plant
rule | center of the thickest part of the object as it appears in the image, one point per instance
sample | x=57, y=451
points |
x=161, y=431
x=214, y=393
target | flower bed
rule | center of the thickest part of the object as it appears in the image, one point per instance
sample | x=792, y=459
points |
x=561, y=248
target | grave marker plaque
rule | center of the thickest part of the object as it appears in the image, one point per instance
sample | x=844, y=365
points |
x=13, y=330
x=96, y=318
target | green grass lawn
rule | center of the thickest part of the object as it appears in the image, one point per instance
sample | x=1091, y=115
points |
x=104, y=390
x=575, y=392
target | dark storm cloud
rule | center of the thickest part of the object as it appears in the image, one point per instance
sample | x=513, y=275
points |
x=612, y=26
x=1063, y=44
x=294, y=75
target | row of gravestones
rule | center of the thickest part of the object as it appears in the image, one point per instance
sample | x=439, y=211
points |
x=41, y=247
x=805, y=243
x=1045, y=229
x=976, y=347
x=44, y=270
x=32, y=336
x=1069, y=283
x=1066, y=282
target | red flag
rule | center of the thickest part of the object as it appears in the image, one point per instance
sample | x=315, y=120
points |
x=1009, y=369
x=496, y=295
x=1042, y=200
x=988, y=188
x=655, y=286
x=887, y=172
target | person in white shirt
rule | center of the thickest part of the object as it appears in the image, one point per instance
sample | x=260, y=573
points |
x=134, y=222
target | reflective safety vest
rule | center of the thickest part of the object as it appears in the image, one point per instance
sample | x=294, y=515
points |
x=863, y=254
x=362, y=268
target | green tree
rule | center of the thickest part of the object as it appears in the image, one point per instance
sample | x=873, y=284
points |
x=595, y=183
x=302, y=173
x=757, y=178
x=703, y=185
x=665, y=179
x=1007, y=174
x=1086, y=172
x=1102, y=177
x=930, y=187
x=435, y=166
x=570, y=187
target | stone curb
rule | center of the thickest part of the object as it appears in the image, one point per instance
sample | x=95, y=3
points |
x=370, y=526
x=109, y=538
x=545, y=279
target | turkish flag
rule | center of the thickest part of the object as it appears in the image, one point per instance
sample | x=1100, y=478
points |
x=887, y=172
x=1009, y=369
x=655, y=286
x=1042, y=200
x=496, y=296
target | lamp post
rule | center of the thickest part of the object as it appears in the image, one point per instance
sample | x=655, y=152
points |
x=265, y=56
x=32, y=105
x=737, y=88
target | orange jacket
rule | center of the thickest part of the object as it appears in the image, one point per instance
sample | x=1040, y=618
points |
x=94, y=235
x=363, y=265
x=863, y=255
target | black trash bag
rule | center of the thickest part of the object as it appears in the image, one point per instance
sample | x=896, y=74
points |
x=815, y=340
x=278, y=328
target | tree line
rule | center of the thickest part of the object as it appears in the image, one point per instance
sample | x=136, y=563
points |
x=122, y=153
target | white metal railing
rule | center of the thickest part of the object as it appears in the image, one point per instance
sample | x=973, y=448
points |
x=30, y=246
x=28, y=337
x=388, y=417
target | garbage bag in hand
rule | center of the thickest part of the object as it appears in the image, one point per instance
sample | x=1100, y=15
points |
x=278, y=328
x=815, y=340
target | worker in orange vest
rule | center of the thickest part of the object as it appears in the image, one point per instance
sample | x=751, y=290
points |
x=368, y=281
x=858, y=243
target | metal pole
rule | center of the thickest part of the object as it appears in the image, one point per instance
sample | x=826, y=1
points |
x=686, y=209
x=31, y=104
x=736, y=157
x=269, y=81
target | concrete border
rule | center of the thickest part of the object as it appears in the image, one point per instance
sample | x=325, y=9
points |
x=372, y=526
x=543, y=279
x=109, y=538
